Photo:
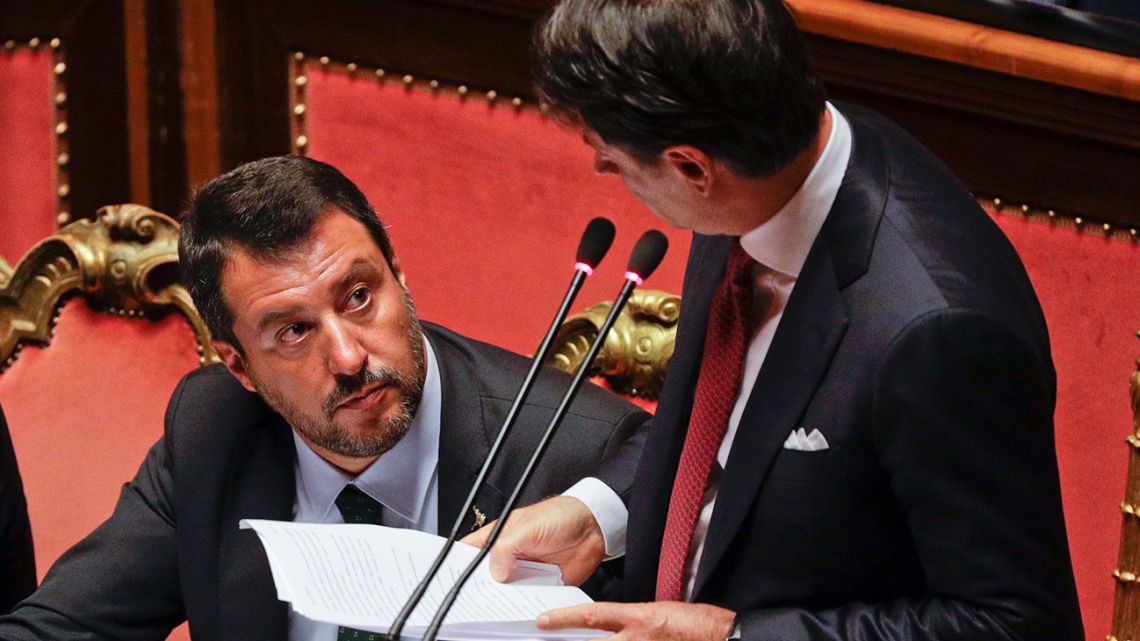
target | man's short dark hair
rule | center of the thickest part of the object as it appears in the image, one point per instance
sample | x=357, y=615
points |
x=264, y=208
x=732, y=78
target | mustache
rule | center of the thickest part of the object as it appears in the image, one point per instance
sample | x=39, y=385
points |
x=348, y=385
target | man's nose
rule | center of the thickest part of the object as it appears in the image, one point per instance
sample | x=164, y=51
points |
x=346, y=355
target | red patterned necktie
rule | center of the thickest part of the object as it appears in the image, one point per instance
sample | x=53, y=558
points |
x=726, y=342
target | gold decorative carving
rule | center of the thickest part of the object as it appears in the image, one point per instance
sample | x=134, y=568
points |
x=124, y=262
x=5, y=271
x=1126, y=609
x=636, y=354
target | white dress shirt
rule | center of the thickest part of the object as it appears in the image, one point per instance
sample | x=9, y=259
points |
x=780, y=245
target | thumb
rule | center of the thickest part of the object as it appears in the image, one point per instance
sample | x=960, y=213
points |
x=502, y=562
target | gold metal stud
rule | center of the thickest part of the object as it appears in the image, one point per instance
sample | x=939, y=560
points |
x=997, y=202
x=34, y=42
x=1079, y=221
x=408, y=79
x=434, y=84
x=302, y=141
x=63, y=217
x=61, y=128
x=63, y=190
x=492, y=94
x=298, y=56
x=301, y=81
x=62, y=159
x=351, y=67
x=299, y=110
x=60, y=98
x=55, y=43
x=461, y=90
x=10, y=45
x=59, y=68
x=379, y=73
x=324, y=61
x=516, y=102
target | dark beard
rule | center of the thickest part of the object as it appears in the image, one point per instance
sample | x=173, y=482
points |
x=335, y=438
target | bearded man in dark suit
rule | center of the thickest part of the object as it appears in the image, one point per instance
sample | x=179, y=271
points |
x=855, y=437
x=330, y=388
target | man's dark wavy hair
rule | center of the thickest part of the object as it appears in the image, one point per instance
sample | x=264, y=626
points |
x=732, y=78
x=264, y=208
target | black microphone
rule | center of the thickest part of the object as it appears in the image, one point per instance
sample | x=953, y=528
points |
x=646, y=256
x=596, y=241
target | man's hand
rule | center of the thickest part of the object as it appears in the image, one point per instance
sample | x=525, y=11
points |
x=559, y=530
x=662, y=621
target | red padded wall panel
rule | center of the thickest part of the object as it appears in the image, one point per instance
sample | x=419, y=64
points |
x=485, y=204
x=83, y=412
x=1089, y=287
x=27, y=150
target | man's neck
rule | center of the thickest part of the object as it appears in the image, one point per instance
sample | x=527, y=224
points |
x=753, y=201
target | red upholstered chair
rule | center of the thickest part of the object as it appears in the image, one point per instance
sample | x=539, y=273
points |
x=94, y=334
x=30, y=179
x=484, y=197
x=1086, y=281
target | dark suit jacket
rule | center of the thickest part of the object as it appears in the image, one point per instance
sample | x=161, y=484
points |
x=17, y=558
x=172, y=549
x=914, y=343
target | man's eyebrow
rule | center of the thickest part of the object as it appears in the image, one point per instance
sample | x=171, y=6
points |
x=359, y=269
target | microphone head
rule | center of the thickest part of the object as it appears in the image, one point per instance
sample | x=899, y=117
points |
x=596, y=241
x=647, y=254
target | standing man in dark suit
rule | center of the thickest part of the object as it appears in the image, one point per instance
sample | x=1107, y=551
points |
x=335, y=405
x=855, y=439
x=17, y=558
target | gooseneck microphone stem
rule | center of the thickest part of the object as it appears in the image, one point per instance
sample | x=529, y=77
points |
x=580, y=275
x=627, y=289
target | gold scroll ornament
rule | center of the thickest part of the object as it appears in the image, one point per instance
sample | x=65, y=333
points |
x=125, y=262
x=636, y=354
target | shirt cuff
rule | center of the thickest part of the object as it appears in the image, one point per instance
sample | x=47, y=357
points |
x=608, y=510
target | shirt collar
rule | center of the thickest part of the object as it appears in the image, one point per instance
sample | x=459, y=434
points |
x=783, y=241
x=400, y=478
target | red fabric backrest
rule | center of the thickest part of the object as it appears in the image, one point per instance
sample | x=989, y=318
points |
x=485, y=204
x=84, y=411
x=1089, y=287
x=27, y=150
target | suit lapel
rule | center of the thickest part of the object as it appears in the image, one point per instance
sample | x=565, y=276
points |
x=801, y=351
x=649, y=503
x=261, y=486
x=464, y=440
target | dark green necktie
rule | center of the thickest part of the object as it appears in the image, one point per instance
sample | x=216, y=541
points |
x=357, y=507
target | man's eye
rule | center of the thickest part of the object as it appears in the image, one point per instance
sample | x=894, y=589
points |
x=293, y=333
x=359, y=298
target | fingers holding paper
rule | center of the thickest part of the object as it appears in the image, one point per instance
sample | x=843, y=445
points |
x=662, y=621
x=559, y=530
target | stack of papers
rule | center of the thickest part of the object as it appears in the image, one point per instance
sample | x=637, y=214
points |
x=360, y=575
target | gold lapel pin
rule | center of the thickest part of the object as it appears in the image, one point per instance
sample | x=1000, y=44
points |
x=480, y=518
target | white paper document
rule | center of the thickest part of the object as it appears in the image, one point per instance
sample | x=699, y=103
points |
x=360, y=575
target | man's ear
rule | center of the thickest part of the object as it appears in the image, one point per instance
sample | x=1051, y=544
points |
x=397, y=270
x=234, y=362
x=693, y=165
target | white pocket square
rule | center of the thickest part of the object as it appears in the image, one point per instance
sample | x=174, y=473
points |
x=804, y=442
